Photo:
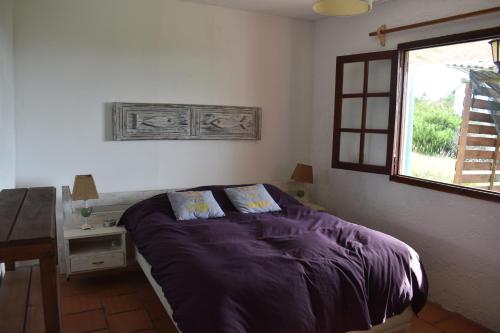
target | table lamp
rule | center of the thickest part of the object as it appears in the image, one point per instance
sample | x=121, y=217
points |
x=303, y=173
x=84, y=189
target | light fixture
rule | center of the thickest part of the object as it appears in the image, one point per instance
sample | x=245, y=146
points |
x=495, y=50
x=303, y=173
x=85, y=189
x=342, y=7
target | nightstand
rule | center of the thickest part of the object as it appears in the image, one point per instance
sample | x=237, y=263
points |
x=94, y=250
x=312, y=205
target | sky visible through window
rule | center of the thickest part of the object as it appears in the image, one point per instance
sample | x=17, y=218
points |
x=434, y=75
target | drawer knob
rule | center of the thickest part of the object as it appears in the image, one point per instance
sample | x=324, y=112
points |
x=98, y=263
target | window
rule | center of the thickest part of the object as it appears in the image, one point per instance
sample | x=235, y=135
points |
x=448, y=133
x=365, y=102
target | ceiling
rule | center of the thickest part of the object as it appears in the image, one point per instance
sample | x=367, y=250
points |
x=301, y=9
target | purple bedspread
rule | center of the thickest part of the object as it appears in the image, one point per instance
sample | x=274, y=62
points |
x=295, y=271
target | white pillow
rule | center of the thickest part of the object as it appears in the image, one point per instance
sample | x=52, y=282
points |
x=252, y=199
x=192, y=205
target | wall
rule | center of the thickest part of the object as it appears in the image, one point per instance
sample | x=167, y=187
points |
x=458, y=238
x=75, y=57
x=7, y=144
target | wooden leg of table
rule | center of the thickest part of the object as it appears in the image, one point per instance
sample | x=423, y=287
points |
x=48, y=277
x=10, y=265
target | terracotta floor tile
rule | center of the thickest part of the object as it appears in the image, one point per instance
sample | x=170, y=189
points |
x=433, y=313
x=75, y=287
x=458, y=324
x=131, y=321
x=420, y=326
x=117, y=289
x=120, y=303
x=165, y=326
x=104, y=286
x=146, y=293
x=80, y=303
x=137, y=278
x=155, y=309
x=84, y=322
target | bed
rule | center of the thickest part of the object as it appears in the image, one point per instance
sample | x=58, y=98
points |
x=294, y=271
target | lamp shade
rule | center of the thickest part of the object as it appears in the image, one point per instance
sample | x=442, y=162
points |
x=84, y=188
x=342, y=7
x=303, y=173
x=495, y=50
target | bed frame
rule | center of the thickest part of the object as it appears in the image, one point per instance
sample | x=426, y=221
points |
x=119, y=201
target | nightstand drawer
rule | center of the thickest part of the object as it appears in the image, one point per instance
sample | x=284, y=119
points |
x=97, y=261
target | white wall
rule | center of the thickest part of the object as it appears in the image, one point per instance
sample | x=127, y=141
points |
x=7, y=144
x=458, y=238
x=74, y=57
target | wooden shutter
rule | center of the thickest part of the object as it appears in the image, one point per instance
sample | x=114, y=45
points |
x=365, y=103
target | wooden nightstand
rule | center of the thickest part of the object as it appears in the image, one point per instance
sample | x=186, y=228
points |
x=93, y=250
x=291, y=188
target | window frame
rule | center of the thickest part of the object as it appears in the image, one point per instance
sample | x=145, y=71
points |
x=365, y=58
x=403, y=50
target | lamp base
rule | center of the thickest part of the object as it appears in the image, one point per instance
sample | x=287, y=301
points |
x=86, y=226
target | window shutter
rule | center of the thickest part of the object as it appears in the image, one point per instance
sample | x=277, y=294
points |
x=364, y=119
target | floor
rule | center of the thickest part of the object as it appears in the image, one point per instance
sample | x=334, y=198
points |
x=126, y=303
x=117, y=303
x=434, y=319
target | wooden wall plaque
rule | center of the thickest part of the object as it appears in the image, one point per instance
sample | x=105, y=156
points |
x=145, y=121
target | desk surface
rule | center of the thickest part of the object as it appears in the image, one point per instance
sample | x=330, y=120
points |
x=27, y=216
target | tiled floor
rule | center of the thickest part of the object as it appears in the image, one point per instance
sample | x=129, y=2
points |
x=434, y=319
x=115, y=304
x=126, y=303
x=129, y=304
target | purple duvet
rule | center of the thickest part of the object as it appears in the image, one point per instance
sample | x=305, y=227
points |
x=295, y=271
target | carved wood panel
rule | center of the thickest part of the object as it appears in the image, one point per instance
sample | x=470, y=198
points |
x=144, y=121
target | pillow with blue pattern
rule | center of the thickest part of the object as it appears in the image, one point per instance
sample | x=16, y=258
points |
x=252, y=199
x=192, y=205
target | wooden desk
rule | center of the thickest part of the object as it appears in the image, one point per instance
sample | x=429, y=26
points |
x=27, y=231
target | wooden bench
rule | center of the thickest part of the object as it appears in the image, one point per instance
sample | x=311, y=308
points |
x=27, y=231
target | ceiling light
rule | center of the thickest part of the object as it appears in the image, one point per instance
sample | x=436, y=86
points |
x=342, y=7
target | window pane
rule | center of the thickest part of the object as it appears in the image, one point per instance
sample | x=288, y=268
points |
x=451, y=133
x=353, y=78
x=377, y=112
x=349, y=147
x=379, y=76
x=375, y=152
x=351, y=112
